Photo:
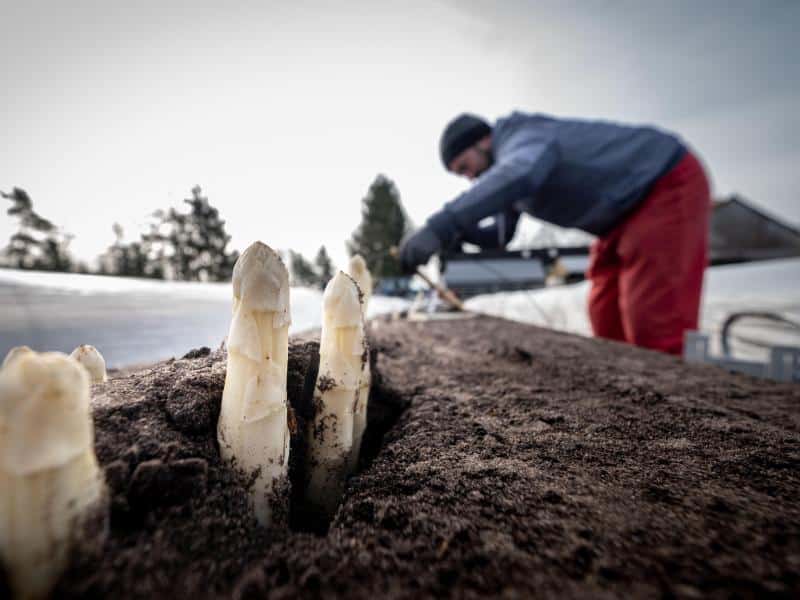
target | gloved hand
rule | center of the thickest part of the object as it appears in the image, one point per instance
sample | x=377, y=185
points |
x=417, y=248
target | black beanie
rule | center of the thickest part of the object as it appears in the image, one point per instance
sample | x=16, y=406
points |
x=461, y=133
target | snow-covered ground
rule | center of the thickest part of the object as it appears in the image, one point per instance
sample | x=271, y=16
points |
x=769, y=286
x=134, y=321
x=131, y=321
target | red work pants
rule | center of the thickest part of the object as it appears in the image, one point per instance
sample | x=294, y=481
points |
x=647, y=273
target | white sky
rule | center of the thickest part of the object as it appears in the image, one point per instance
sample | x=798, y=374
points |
x=285, y=112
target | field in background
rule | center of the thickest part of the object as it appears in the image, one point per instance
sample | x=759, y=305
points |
x=135, y=321
x=768, y=286
x=131, y=321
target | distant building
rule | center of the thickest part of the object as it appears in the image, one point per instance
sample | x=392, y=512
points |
x=740, y=232
x=394, y=286
x=470, y=274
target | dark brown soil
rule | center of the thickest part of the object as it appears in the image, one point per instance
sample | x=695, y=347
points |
x=528, y=463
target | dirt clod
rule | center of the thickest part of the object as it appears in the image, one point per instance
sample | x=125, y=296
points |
x=157, y=483
x=197, y=352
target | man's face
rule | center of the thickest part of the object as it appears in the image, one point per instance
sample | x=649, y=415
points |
x=473, y=161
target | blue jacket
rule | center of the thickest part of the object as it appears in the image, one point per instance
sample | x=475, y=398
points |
x=582, y=174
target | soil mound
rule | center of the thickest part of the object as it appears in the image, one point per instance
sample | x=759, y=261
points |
x=501, y=459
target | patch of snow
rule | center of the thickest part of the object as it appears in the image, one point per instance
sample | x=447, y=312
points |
x=100, y=284
x=132, y=321
x=767, y=286
x=561, y=307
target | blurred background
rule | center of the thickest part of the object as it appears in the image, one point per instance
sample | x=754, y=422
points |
x=146, y=144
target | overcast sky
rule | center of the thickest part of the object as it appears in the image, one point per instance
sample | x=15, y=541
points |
x=284, y=112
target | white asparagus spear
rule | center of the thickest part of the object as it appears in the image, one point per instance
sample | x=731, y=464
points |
x=357, y=269
x=52, y=493
x=253, y=427
x=93, y=362
x=15, y=353
x=342, y=353
x=359, y=272
x=360, y=414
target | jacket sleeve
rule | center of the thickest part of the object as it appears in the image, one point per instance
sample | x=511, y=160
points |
x=496, y=235
x=524, y=160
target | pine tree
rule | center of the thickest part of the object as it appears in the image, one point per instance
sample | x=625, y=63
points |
x=302, y=270
x=155, y=244
x=137, y=261
x=324, y=268
x=193, y=245
x=208, y=259
x=55, y=256
x=125, y=260
x=383, y=225
x=21, y=251
x=38, y=244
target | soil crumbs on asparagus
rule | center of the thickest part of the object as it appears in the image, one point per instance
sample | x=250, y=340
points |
x=528, y=463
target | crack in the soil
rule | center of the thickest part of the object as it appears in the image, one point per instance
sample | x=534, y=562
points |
x=384, y=408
